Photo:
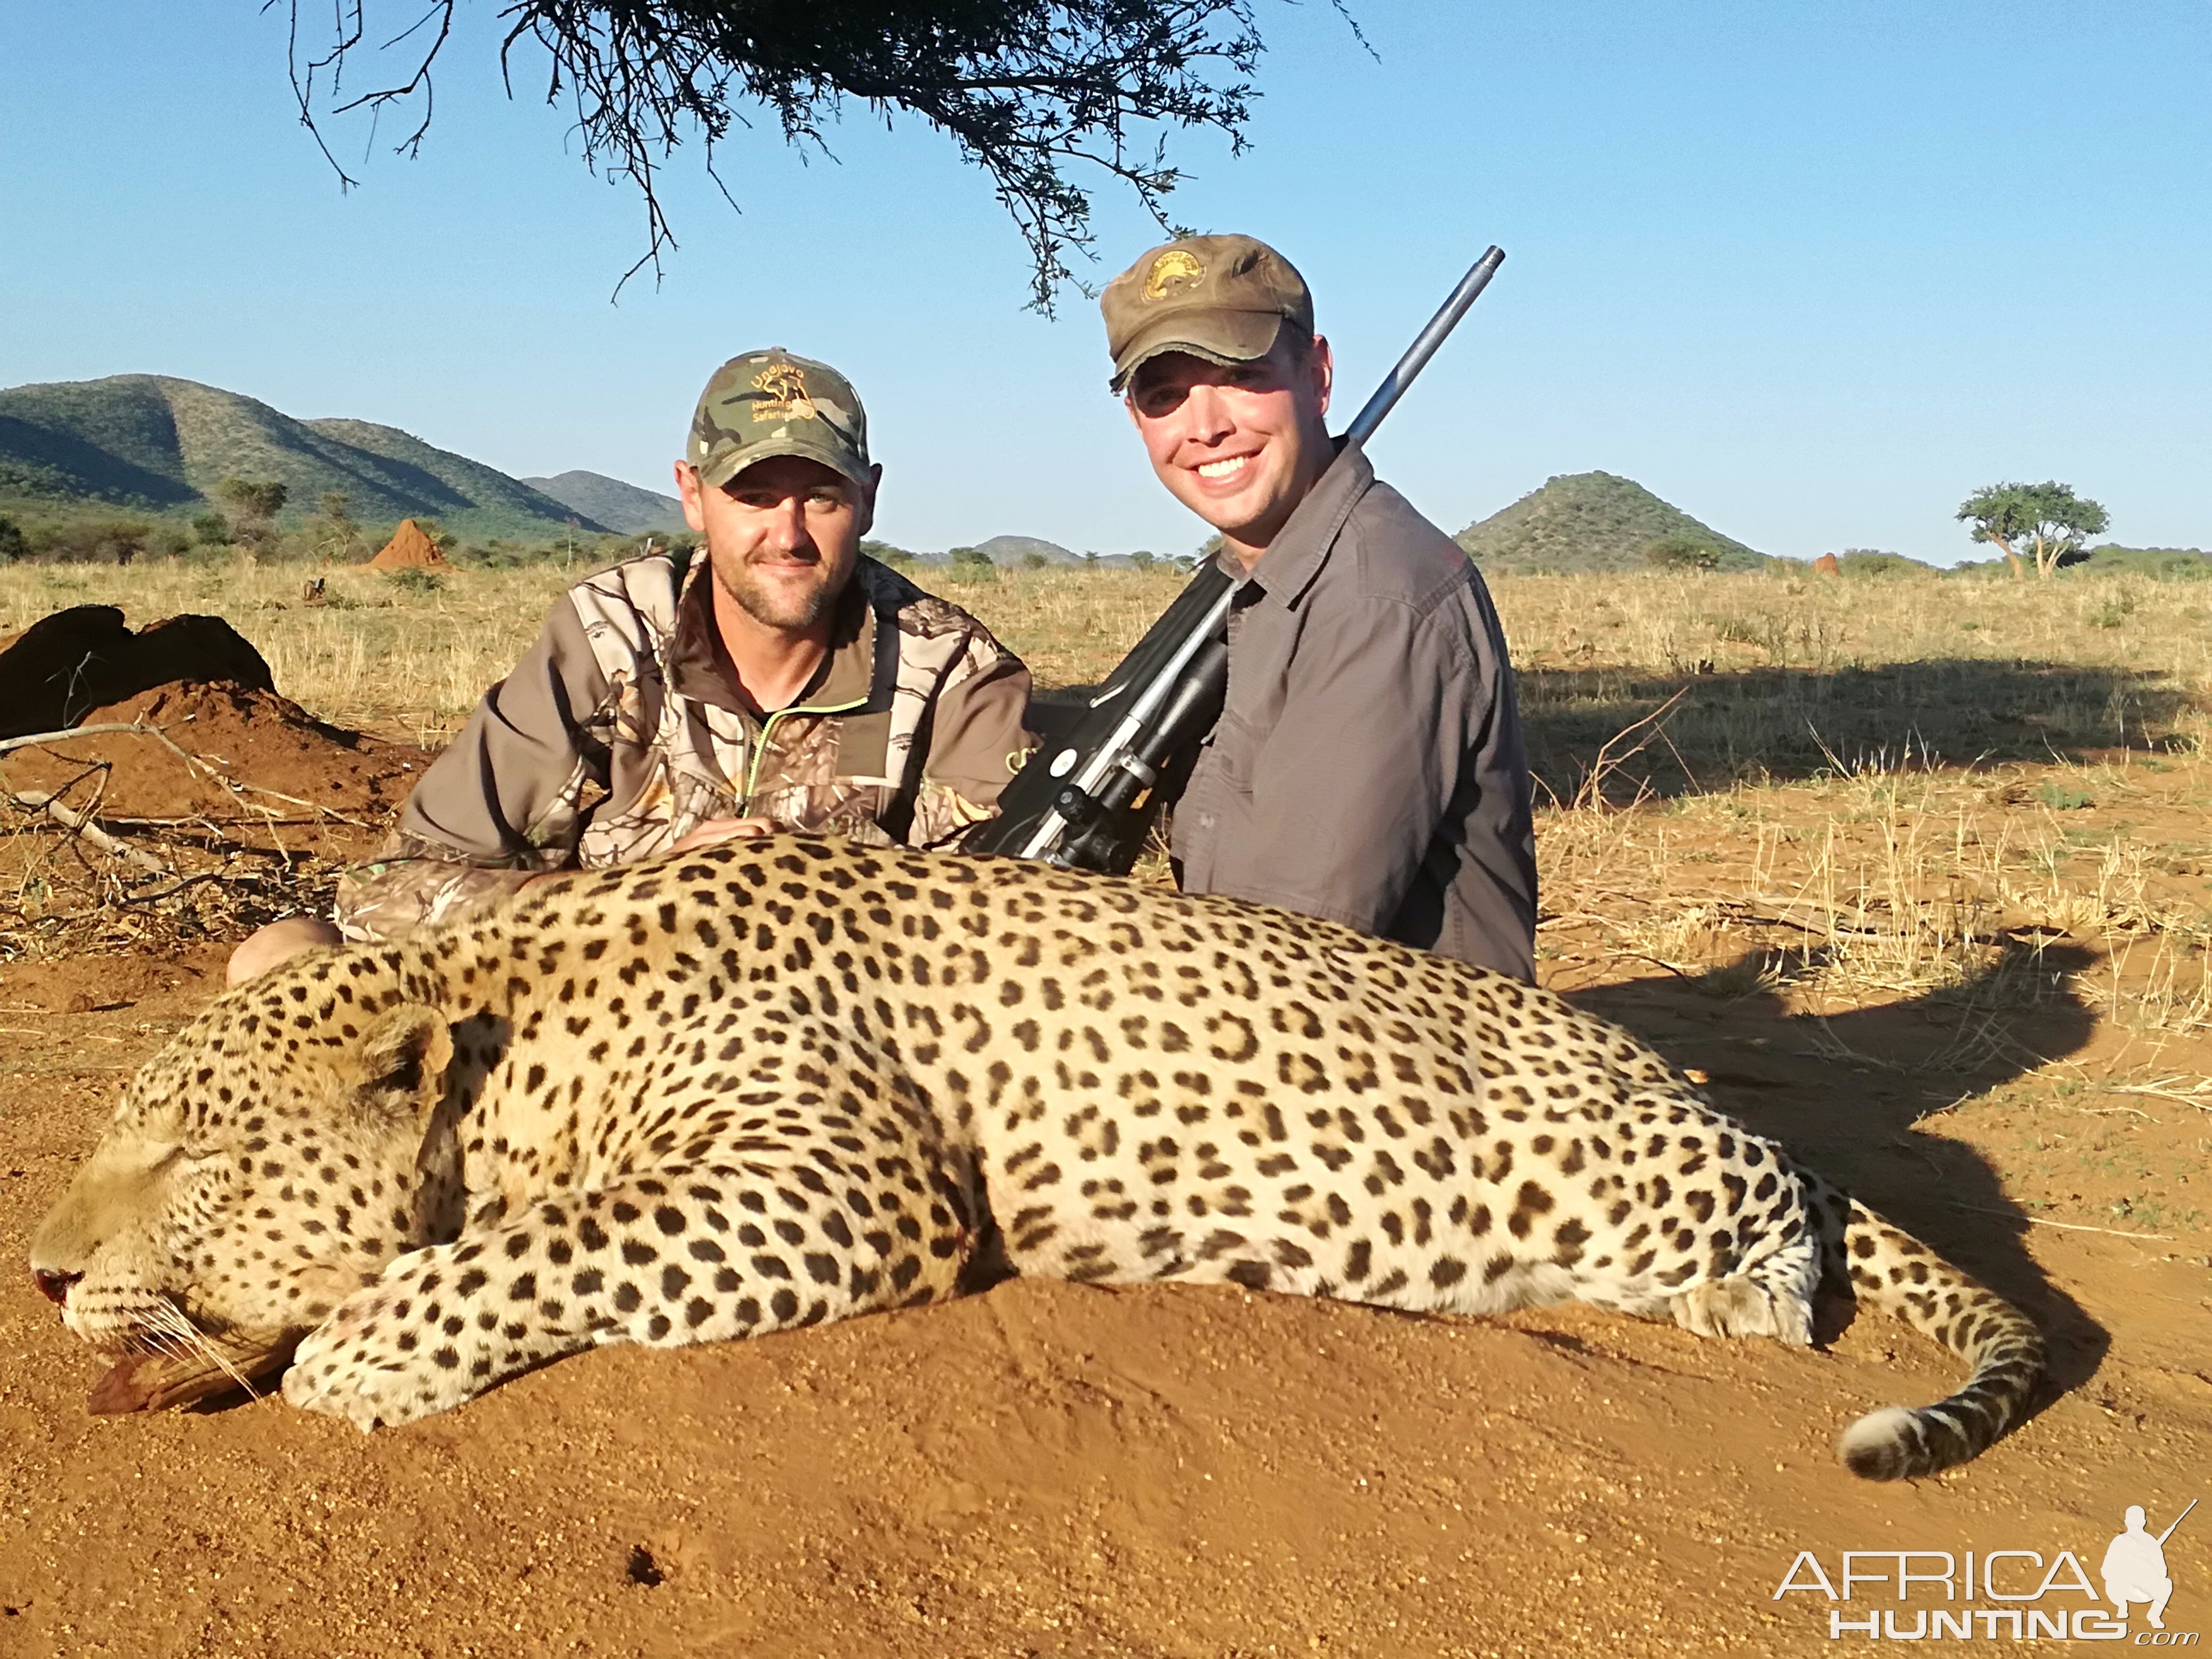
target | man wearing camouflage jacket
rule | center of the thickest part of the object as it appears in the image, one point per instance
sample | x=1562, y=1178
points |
x=774, y=680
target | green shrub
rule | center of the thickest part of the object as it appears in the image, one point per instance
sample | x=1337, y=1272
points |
x=1682, y=553
x=413, y=579
x=972, y=564
x=1873, y=562
x=93, y=541
x=12, y=543
x=211, y=530
x=2059, y=798
x=2114, y=612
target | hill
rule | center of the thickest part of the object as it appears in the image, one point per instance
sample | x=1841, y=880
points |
x=151, y=443
x=1016, y=550
x=1587, y=521
x=2109, y=557
x=622, y=507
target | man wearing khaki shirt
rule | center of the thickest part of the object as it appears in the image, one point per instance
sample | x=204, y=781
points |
x=1368, y=766
x=775, y=679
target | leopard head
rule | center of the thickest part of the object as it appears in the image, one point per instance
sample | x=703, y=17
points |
x=265, y=1164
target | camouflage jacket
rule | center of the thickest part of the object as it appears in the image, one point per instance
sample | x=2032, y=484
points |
x=620, y=731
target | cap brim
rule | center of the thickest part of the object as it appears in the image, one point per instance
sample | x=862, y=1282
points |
x=1219, y=336
x=719, y=472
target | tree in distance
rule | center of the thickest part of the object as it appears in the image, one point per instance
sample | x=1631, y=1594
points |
x=972, y=564
x=899, y=558
x=2050, y=517
x=252, y=508
x=1682, y=553
x=333, y=535
x=1032, y=91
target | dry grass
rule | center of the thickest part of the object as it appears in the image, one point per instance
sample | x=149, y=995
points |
x=1835, y=802
x=1948, y=833
x=413, y=663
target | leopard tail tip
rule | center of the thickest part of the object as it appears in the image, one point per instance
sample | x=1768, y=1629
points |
x=1889, y=1445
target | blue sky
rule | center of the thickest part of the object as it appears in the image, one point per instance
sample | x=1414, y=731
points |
x=1812, y=271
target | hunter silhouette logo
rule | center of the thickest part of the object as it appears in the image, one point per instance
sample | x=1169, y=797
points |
x=783, y=395
x=2134, y=1566
x=1175, y=266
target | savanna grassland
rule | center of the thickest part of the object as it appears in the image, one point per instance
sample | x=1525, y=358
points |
x=1912, y=873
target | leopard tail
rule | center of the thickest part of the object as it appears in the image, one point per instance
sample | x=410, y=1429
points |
x=1893, y=1271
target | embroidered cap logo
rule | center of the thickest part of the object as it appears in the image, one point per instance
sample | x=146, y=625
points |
x=783, y=395
x=1175, y=266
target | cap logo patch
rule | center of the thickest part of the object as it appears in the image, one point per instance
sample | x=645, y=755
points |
x=783, y=395
x=1175, y=266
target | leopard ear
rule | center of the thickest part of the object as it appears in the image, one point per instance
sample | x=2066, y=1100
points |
x=399, y=1066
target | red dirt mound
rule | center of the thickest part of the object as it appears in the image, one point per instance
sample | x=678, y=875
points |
x=409, y=549
x=236, y=734
x=1825, y=565
x=63, y=666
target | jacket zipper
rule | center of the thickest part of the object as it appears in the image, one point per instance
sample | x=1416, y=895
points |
x=761, y=745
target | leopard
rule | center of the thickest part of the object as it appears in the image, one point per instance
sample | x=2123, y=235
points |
x=754, y=1087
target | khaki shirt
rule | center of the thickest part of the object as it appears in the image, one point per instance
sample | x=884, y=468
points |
x=1368, y=766
x=622, y=730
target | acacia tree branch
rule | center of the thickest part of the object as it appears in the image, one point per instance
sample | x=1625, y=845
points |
x=2005, y=547
x=1036, y=93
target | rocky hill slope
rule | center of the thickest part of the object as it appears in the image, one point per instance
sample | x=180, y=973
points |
x=1586, y=521
x=152, y=442
x=623, y=508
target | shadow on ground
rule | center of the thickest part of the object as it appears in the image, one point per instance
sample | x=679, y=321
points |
x=1784, y=724
x=1847, y=1091
x=1780, y=724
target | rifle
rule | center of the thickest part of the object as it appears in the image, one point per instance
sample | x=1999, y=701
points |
x=1086, y=800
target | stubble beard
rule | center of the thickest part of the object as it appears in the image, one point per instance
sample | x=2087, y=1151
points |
x=775, y=605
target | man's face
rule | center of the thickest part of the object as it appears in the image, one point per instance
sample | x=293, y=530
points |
x=782, y=535
x=1237, y=445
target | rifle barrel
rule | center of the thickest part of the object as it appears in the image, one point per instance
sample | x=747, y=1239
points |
x=1425, y=346
x=2177, y=1520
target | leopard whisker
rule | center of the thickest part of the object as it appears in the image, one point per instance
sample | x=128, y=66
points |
x=180, y=1326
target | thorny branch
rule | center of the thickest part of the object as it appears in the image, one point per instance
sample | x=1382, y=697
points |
x=1037, y=92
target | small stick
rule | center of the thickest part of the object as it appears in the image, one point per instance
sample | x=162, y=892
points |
x=2069, y=1226
x=2197, y=1101
x=195, y=761
x=80, y=825
x=199, y=764
x=35, y=737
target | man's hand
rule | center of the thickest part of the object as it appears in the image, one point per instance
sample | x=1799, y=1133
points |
x=717, y=830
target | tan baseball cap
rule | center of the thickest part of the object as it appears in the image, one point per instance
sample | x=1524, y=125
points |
x=771, y=402
x=1222, y=298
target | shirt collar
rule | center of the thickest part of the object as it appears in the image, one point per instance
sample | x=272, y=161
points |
x=1290, y=563
x=846, y=679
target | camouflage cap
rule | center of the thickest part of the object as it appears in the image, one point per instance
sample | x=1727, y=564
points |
x=771, y=402
x=1222, y=298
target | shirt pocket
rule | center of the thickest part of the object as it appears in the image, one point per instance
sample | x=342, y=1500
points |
x=1228, y=753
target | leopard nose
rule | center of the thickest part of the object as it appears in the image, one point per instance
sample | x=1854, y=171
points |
x=54, y=1286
